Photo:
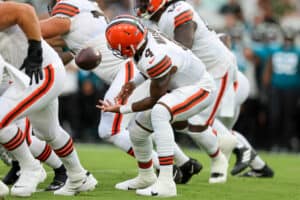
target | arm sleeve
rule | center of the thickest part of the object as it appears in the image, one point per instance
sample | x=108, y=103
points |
x=160, y=68
x=64, y=9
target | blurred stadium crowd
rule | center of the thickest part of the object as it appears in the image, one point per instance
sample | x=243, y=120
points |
x=266, y=40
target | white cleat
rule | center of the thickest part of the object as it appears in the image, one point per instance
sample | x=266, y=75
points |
x=75, y=185
x=159, y=189
x=28, y=182
x=138, y=182
x=3, y=189
x=219, y=166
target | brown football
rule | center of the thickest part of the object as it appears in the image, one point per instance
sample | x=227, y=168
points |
x=88, y=58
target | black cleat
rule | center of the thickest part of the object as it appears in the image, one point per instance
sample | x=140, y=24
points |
x=177, y=174
x=13, y=175
x=244, y=156
x=59, y=180
x=189, y=169
x=265, y=172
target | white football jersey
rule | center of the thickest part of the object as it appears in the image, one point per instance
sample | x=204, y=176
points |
x=161, y=54
x=207, y=45
x=88, y=29
x=14, y=45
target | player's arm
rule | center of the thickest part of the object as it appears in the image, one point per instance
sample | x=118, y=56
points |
x=184, y=27
x=55, y=26
x=185, y=33
x=158, y=88
x=23, y=15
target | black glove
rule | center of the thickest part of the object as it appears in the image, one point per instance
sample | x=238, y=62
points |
x=33, y=62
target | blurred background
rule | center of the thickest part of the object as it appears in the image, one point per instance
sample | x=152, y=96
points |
x=266, y=41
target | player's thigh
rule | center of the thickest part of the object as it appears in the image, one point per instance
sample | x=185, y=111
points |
x=45, y=122
x=17, y=102
x=186, y=101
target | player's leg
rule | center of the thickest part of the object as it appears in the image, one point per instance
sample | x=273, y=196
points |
x=174, y=106
x=31, y=172
x=112, y=127
x=46, y=126
x=140, y=134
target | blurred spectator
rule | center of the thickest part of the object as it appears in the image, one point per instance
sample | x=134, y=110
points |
x=91, y=90
x=283, y=76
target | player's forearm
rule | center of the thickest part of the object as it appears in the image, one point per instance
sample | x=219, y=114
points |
x=142, y=105
x=22, y=15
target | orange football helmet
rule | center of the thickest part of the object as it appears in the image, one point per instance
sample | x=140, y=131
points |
x=125, y=34
x=147, y=8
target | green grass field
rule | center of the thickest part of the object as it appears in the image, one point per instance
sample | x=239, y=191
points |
x=110, y=166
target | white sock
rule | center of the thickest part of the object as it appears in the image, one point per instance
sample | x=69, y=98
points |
x=122, y=141
x=164, y=139
x=13, y=140
x=207, y=140
x=64, y=148
x=179, y=156
x=44, y=153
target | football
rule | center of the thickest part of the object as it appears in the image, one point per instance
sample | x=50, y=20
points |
x=88, y=58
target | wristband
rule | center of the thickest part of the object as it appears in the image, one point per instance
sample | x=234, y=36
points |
x=126, y=109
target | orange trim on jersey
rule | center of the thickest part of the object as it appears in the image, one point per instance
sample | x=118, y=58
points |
x=129, y=73
x=168, y=160
x=15, y=142
x=27, y=132
x=145, y=165
x=183, y=18
x=66, y=150
x=45, y=154
x=66, y=9
x=189, y=102
x=235, y=85
x=211, y=118
x=160, y=68
x=32, y=98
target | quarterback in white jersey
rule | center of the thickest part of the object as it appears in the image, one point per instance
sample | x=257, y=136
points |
x=36, y=100
x=85, y=27
x=180, y=88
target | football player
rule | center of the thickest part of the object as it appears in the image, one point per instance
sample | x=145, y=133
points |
x=82, y=24
x=245, y=154
x=180, y=88
x=35, y=97
x=179, y=21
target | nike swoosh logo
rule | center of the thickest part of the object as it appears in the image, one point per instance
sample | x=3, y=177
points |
x=151, y=61
x=154, y=193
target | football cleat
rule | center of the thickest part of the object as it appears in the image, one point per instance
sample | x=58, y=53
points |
x=177, y=174
x=189, y=169
x=76, y=184
x=138, y=182
x=28, y=182
x=265, y=172
x=244, y=156
x=159, y=189
x=13, y=174
x=59, y=180
x=219, y=166
x=3, y=189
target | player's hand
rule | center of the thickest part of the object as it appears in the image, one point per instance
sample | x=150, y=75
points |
x=125, y=92
x=107, y=106
x=33, y=62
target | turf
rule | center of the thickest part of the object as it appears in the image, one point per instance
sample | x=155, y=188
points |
x=110, y=166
